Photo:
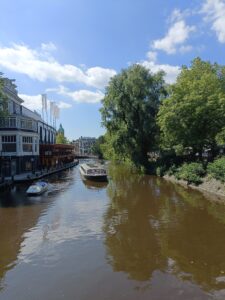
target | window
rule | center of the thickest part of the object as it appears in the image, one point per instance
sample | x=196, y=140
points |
x=27, y=144
x=26, y=124
x=41, y=139
x=35, y=145
x=9, y=143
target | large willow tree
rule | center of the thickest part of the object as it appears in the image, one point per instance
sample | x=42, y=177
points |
x=193, y=116
x=129, y=111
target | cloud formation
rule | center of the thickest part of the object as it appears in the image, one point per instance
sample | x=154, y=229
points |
x=215, y=14
x=81, y=96
x=41, y=65
x=177, y=34
x=171, y=72
x=34, y=102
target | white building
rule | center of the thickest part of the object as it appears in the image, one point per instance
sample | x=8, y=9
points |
x=21, y=132
x=83, y=145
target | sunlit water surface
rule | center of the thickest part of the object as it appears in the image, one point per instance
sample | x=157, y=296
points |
x=137, y=237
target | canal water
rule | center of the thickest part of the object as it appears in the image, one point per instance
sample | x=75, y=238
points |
x=137, y=237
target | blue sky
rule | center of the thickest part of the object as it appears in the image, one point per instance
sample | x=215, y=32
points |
x=69, y=49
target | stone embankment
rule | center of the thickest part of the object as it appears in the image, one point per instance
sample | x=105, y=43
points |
x=209, y=186
x=26, y=177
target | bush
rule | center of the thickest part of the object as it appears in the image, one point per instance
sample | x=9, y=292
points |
x=160, y=170
x=172, y=170
x=191, y=172
x=217, y=169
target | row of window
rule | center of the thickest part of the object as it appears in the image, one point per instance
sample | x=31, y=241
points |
x=46, y=135
x=9, y=143
x=12, y=139
x=8, y=138
x=27, y=139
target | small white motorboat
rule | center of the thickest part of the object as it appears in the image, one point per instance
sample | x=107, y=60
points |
x=38, y=188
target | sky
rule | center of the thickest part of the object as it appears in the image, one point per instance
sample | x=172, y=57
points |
x=69, y=49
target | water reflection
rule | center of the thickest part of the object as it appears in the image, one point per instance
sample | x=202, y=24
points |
x=131, y=240
x=161, y=241
x=153, y=225
x=19, y=214
x=94, y=185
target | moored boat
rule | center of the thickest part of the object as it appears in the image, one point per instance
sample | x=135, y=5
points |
x=93, y=171
x=37, y=189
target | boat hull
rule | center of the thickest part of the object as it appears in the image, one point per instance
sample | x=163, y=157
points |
x=96, y=178
x=93, y=177
x=37, y=189
x=36, y=193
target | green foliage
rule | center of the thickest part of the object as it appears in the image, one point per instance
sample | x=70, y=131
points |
x=160, y=170
x=61, y=139
x=128, y=113
x=97, y=147
x=220, y=137
x=194, y=113
x=172, y=170
x=217, y=169
x=3, y=98
x=191, y=172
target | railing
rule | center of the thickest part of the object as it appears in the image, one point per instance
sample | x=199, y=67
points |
x=18, y=122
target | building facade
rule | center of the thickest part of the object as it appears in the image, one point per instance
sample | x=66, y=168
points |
x=21, y=133
x=83, y=145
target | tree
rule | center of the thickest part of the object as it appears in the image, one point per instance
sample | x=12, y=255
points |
x=61, y=139
x=220, y=138
x=3, y=98
x=194, y=113
x=97, y=147
x=128, y=112
x=60, y=136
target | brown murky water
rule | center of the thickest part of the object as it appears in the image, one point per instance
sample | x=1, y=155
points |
x=139, y=237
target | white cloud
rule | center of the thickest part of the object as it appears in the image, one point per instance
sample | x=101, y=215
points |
x=82, y=96
x=48, y=47
x=98, y=77
x=63, y=105
x=40, y=65
x=152, y=55
x=34, y=102
x=171, y=72
x=177, y=34
x=176, y=15
x=215, y=13
x=185, y=49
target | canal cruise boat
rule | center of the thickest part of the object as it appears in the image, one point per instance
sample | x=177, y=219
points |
x=93, y=171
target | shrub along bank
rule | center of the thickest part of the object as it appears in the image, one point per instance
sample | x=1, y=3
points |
x=195, y=172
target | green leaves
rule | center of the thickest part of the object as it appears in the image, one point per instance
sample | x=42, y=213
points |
x=61, y=139
x=138, y=116
x=129, y=113
x=194, y=113
x=217, y=169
